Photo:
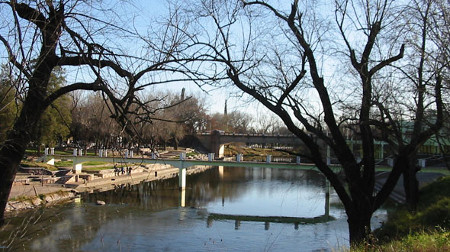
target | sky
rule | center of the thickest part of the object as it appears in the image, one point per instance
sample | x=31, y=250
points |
x=214, y=98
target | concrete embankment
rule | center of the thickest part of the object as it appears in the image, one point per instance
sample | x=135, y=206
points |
x=33, y=195
x=156, y=172
x=26, y=202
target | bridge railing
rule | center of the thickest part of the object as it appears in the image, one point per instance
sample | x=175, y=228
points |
x=245, y=134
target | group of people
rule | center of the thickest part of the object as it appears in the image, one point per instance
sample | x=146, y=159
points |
x=121, y=171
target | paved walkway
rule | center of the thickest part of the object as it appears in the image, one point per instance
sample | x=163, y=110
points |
x=398, y=194
x=34, y=189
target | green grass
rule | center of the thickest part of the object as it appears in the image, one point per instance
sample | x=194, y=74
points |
x=26, y=163
x=69, y=163
x=415, y=242
x=66, y=163
x=95, y=163
x=97, y=168
x=428, y=229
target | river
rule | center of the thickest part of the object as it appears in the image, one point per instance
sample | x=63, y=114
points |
x=222, y=209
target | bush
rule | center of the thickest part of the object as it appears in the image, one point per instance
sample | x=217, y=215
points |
x=437, y=214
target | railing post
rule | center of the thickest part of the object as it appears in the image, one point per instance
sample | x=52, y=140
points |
x=52, y=151
x=74, y=152
x=268, y=159
x=298, y=160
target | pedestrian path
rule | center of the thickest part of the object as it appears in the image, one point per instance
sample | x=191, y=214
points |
x=398, y=193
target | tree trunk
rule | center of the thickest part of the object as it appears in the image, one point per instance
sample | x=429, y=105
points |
x=11, y=153
x=411, y=187
x=359, y=225
x=18, y=138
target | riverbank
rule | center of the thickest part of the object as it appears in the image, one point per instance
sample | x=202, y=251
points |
x=427, y=229
x=33, y=194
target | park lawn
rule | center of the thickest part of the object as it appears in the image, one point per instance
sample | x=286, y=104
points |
x=26, y=163
x=97, y=168
x=67, y=163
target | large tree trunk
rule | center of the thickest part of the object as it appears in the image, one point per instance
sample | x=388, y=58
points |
x=18, y=138
x=359, y=225
x=13, y=149
x=11, y=154
x=411, y=186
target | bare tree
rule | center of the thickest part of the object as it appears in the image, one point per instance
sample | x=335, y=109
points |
x=422, y=71
x=82, y=37
x=317, y=75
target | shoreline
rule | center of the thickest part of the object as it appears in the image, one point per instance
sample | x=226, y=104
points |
x=35, y=194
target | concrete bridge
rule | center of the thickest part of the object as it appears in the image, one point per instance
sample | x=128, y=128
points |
x=216, y=140
x=182, y=163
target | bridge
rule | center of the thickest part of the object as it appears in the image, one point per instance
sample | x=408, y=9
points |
x=216, y=140
x=182, y=163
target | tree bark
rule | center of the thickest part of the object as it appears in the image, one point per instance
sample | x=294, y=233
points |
x=359, y=225
x=411, y=186
x=10, y=155
x=12, y=151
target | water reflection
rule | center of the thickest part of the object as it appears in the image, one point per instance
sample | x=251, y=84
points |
x=148, y=216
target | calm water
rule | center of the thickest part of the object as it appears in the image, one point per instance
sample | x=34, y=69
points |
x=219, y=206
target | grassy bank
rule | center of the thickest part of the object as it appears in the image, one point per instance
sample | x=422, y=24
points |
x=253, y=154
x=428, y=229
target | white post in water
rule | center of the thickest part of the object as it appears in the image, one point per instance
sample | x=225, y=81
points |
x=268, y=159
x=327, y=198
x=298, y=160
x=183, y=197
x=182, y=173
x=182, y=178
x=328, y=155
